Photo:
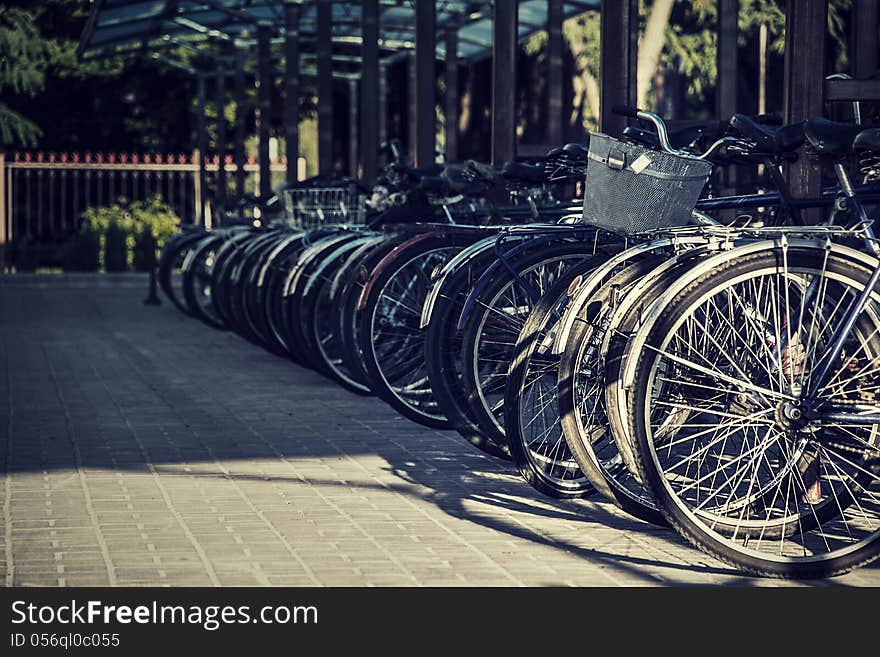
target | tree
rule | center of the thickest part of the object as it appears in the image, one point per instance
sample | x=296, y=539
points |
x=23, y=59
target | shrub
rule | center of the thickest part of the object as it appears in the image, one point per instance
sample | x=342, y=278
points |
x=134, y=221
x=115, y=249
x=144, y=253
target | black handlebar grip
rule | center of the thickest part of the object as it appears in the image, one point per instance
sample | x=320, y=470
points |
x=626, y=110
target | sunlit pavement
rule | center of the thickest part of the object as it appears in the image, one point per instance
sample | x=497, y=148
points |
x=141, y=447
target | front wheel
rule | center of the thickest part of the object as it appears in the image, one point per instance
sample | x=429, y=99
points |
x=727, y=439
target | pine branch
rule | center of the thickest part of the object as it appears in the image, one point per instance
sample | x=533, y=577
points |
x=16, y=129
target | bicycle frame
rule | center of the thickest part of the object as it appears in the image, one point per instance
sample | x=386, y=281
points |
x=849, y=320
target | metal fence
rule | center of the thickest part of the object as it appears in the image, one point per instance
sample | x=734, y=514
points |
x=43, y=195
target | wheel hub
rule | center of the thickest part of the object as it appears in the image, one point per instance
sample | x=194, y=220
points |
x=789, y=416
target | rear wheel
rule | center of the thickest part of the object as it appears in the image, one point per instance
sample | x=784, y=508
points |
x=443, y=360
x=170, y=266
x=390, y=338
x=493, y=326
x=532, y=426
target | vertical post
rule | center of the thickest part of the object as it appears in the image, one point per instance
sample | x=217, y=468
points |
x=291, y=87
x=805, y=22
x=618, y=61
x=555, y=15
x=864, y=38
x=240, y=118
x=220, y=99
x=383, y=102
x=264, y=107
x=763, y=40
x=4, y=235
x=324, y=51
x=353, y=127
x=504, y=82
x=727, y=64
x=202, y=140
x=450, y=101
x=370, y=89
x=411, y=98
x=426, y=33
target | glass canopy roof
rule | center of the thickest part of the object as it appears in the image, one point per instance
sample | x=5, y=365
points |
x=151, y=26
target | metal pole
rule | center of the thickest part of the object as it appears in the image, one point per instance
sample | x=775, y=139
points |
x=426, y=131
x=202, y=140
x=864, y=38
x=353, y=128
x=291, y=80
x=728, y=72
x=727, y=63
x=240, y=118
x=618, y=61
x=411, y=93
x=325, y=86
x=4, y=235
x=264, y=107
x=450, y=105
x=555, y=16
x=383, y=102
x=805, y=22
x=504, y=82
x=370, y=89
x=220, y=99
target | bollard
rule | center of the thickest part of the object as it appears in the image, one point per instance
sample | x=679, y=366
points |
x=152, y=298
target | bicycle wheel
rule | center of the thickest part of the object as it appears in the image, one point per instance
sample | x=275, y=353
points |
x=581, y=399
x=170, y=266
x=265, y=317
x=225, y=260
x=734, y=462
x=491, y=330
x=532, y=428
x=243, y=285
x=198, y=267
x=443, y=361
x=345, y=292
x=390, y=339
x=315, y=318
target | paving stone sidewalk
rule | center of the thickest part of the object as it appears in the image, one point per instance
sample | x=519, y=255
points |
x=141, y=447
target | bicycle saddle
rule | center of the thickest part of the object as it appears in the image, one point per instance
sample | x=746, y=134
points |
x=532, y=173
x=485, y=171
x=831, y=138
x=455, y=177
x=783, y=139
x=867, y=140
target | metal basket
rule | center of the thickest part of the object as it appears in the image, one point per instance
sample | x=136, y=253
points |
x=630, y=189
x=312, y=207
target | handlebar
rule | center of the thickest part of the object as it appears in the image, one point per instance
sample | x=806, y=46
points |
x=663, y=134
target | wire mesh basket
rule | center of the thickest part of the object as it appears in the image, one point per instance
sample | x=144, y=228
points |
x=312, y=207
x=630, y=189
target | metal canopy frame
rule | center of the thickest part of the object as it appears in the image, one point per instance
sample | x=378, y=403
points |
x=117, y=27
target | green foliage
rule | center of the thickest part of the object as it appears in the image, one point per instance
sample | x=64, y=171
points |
x=23, y=60
x=133, y=222
x=115, y=249
x=144, y=252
